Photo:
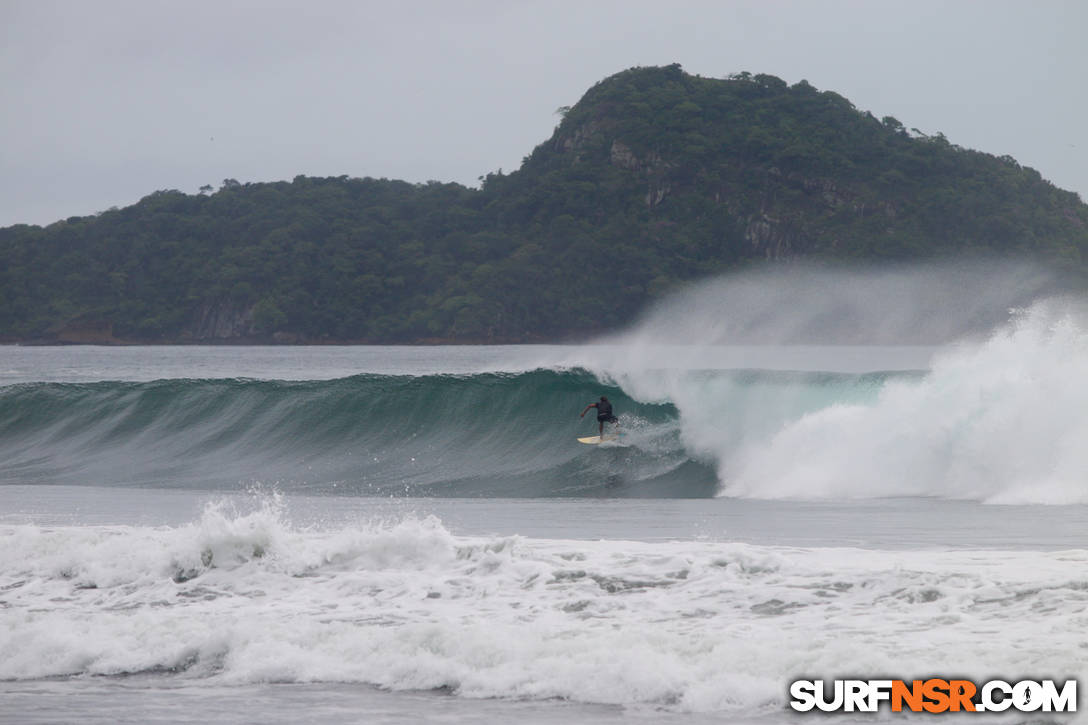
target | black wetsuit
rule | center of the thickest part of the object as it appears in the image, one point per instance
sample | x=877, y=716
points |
x=604, y=412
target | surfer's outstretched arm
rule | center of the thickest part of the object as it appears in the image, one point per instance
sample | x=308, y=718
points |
x=591, y=405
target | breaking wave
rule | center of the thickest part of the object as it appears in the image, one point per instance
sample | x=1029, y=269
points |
x=1000, y=420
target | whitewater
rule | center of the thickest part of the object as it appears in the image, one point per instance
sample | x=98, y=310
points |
x=350, y=534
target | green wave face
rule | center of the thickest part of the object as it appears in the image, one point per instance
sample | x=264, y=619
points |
x=489, y=435
x=474, y=435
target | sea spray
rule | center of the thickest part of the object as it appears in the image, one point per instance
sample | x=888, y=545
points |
x=998, y=415
x=802, y=303
x=1003, y=421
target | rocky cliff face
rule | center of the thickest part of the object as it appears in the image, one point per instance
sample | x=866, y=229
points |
x=223, y=321
x=773, y=239
x=774, y=230
x=654, y=169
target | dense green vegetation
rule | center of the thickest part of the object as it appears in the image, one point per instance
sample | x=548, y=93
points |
x=653, y=178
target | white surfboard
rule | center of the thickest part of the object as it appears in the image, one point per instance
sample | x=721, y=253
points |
x=594, y=440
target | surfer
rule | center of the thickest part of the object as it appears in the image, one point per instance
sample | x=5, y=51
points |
x=604, y=414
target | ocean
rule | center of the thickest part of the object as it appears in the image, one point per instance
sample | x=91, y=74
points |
x=413, y=534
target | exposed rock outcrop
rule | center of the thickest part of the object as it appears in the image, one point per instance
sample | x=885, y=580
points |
x=652, y=167
x=773, y=238
x=223, y=321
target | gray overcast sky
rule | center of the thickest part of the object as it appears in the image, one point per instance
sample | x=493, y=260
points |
x=107, y=101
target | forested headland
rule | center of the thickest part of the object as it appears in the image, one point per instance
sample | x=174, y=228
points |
x=655, y=177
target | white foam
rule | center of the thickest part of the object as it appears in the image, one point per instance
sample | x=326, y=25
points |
x=1002, y=421
x=694, y=626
